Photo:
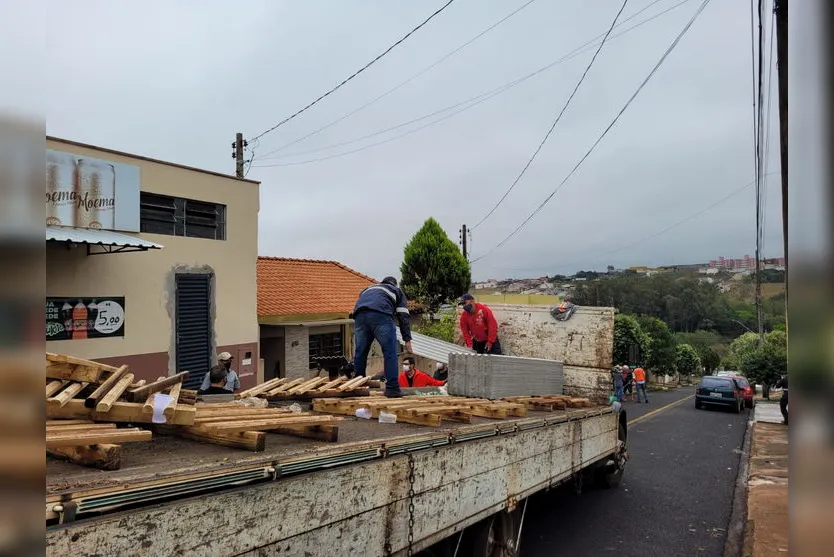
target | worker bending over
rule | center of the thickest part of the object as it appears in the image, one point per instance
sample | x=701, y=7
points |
x=217, y=377
x=479, y=327
x=373, y=319
x=413, y=377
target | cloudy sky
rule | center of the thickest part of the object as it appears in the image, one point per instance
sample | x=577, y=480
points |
x=177, y=81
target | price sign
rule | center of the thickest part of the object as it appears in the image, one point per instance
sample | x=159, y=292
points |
x=111, y=316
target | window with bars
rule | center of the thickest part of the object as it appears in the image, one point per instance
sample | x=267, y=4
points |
x=325, y=346
x=175, y=216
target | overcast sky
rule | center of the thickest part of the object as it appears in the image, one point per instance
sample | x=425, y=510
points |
x=177, y=81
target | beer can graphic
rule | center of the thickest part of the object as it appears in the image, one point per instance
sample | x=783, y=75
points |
x=96, y=194
x=60, y=189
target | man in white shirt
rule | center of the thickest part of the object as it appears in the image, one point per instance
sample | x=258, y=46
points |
x=232, y=380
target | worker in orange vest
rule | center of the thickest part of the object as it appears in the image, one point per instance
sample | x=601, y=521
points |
x=640, y=384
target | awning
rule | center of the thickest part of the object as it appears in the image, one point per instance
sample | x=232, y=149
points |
x=98, y=241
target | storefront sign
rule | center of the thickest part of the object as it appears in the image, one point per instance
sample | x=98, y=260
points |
x=77, y=318
x=86, y=192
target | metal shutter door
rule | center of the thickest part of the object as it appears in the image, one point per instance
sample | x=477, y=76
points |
x=193, y=307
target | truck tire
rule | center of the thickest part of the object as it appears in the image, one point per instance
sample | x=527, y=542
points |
x=494, y=536
x=609, y=474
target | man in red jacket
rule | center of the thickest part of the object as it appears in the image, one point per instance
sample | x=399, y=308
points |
x=479, y=327
x=413, y=377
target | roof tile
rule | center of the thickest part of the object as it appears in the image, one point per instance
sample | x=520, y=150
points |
x=307, y=286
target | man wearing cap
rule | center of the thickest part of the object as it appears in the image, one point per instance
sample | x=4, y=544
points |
x=479, y=327
x=373, y=319
x=232, y=380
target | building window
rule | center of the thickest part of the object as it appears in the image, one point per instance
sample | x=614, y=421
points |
x=327, y=346
x=175, y=216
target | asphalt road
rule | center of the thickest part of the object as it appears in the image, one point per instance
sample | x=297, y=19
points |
x=675, y=498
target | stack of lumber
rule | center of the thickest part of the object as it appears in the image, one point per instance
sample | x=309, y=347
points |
x=549, y=403
x=91, y=444
x=244, y=427
x=424, y=410
x=306, y=389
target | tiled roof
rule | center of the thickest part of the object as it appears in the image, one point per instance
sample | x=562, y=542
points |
x=306, y=286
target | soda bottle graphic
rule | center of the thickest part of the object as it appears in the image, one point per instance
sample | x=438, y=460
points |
x=66, y=318
x=79, y=319
x=92, y=315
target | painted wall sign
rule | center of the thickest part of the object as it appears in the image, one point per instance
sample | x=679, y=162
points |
x=79, y=318
x=86, y=192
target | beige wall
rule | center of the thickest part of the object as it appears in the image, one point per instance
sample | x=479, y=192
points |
x=146, y=279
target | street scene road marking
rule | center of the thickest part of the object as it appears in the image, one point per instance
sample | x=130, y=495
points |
x=658, y=410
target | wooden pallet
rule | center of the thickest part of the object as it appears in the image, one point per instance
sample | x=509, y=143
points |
x=307, y=389
x=90, y=444
x=245, y=427
x=424, y=410
x=550, y=403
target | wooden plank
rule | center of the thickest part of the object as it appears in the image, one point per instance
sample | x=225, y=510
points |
x=119, y=412
x=138, y=384
x=54, y=386
x=330, y=384
x=350, y=384
x=309, y=385
x=249, y=440
x=67, y=422
x=102, y=456
x=127, y=435
x=256, y=425
x=263, y=387
x=241, y=418
x=114, y=393
x=102, y=389
x=52, y=430
x=321, y=432
x=62, y=398
x=285, y=386
x=142, y=393
x=207, y=411
x=174, y=393
x=64, y=359
x=311, y=395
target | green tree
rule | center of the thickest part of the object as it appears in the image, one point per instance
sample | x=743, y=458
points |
x=764, y=365
x=661, y=353
x=631, y=344
x=443, y=328
x=687, y=360
x=433, y=269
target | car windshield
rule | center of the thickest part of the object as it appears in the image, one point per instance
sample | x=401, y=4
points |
x=742, y=382
x=716, y=383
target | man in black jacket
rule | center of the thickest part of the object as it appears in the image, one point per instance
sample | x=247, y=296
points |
x=373, y=319
x=783, y=402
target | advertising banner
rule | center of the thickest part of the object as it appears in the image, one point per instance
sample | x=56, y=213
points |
x=79, y=318
x=86, y=192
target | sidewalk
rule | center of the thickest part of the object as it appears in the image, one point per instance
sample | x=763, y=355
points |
x=766, y=532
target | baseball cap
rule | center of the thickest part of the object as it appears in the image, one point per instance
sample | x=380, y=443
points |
x=224, y=357
x=466, y=297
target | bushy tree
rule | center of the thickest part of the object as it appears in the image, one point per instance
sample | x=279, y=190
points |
x=433, y=269
x=739, y=348
x=631, y=344
x=443, y=328
x=661, y=350
x=687, y=360
x=764, y=365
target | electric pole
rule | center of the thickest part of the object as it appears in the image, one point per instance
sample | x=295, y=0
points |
x=463, y=238
x=780, y=7
x=238, y=154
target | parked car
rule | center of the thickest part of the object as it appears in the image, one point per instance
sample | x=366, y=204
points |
x=719, y=391
x=746, y=389
x=727, y=374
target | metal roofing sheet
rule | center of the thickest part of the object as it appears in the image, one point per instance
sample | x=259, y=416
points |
x=434, y=349
x=96, y=237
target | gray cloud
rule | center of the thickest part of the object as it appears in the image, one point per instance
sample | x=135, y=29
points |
x=178, y=81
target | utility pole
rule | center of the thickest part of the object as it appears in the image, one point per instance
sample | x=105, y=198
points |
x=463, y=238
x=780, y=7
x=238, y=154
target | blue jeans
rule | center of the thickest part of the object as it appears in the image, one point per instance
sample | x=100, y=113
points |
x=367, y=327
x=641, y=388
x=618, y=392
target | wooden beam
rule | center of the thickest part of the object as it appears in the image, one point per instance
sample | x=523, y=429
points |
x=103, y=389
x=62, y=398
x=326, y=433
x=257, y=425
x=142, y=393
x=174, y=393
x=64, y=359
x=67, y=422
x=249, y=440
x=263, y=387
x=114, y=393
x=119, y=412
x=118, y=436
x=52, y=430
x=286, y=386
x=102, y=456
x=338, y=381
x=54, y=386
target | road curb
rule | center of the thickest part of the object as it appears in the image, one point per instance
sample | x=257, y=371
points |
x=734, y=543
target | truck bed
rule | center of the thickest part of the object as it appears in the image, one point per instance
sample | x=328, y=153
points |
x=169, y=457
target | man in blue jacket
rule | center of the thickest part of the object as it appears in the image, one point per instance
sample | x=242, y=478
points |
x=373, y=319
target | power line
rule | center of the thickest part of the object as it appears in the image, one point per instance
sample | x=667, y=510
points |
x=476, y=100
x=558, y=118
x=406, y=82
x=604, y=133
x=357, y=72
